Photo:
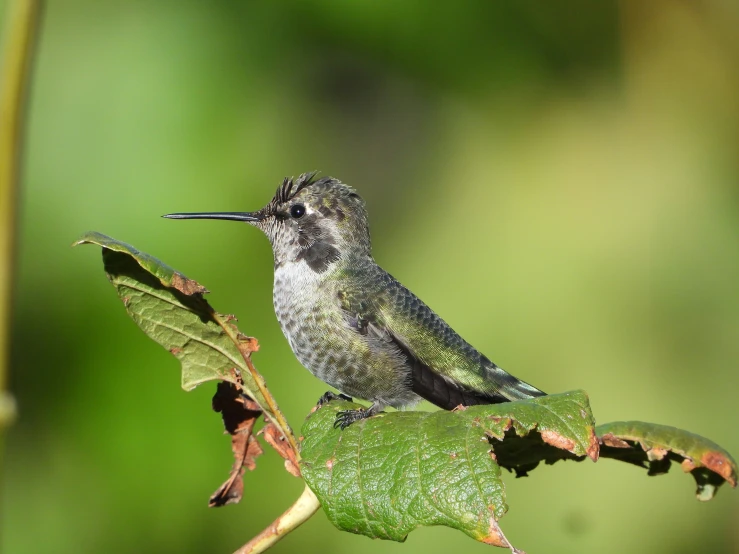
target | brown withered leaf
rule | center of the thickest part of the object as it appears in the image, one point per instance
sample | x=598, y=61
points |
x=247, y=344
x=277, y=441
x=187, y=286
x=239, y=413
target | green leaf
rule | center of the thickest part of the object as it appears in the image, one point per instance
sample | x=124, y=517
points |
x=655, y=447
x=386, y=475
x=170, y=308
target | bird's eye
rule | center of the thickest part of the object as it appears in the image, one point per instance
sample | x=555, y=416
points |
x=297, y=211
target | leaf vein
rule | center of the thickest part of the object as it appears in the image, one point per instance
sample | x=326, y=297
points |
x=359, y=475
x=215, y=347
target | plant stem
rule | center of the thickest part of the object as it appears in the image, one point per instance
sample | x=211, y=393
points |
x=20, y=35
x=294, y=516
x=281, y=421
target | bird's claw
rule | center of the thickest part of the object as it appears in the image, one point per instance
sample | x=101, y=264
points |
x=329, y=396
x=346, y=417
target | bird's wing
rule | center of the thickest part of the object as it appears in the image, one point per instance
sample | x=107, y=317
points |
x=444, y=368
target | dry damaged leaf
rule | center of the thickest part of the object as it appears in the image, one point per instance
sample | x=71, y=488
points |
x=654, y=447
x=239, y=413
x=277, y=441
x=171, y=309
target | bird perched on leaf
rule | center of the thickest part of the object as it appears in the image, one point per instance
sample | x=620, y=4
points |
x=349, y=321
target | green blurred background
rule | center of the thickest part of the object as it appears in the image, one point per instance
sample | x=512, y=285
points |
x=557, y=180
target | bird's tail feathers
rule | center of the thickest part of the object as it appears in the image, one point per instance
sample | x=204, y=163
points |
x=509, y=387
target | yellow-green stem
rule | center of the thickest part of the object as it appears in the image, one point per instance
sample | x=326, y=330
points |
x=296, y=515
x=19, y=36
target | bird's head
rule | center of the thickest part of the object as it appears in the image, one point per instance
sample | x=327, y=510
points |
x=309, y=220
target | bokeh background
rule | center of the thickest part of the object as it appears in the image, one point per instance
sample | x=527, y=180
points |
x=559, y=180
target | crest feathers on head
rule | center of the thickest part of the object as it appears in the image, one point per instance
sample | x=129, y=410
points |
x=290, y=186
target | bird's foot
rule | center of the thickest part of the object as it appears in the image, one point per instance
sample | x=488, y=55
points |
x=329, y=396
x=346, y=417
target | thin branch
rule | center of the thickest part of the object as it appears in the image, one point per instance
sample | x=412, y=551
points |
x=296, y=515
x=281, y=420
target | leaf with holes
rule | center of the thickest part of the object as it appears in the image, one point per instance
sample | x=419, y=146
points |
x=655, y=447
x=386, y=475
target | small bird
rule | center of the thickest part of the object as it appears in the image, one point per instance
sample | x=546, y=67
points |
x=349, y=321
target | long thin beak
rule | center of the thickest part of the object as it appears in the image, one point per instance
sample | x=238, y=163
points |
x=233, y=216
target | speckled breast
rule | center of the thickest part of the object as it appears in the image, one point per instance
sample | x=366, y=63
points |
x=314, y=326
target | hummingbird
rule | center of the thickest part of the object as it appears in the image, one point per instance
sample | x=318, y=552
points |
x=350, y=322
